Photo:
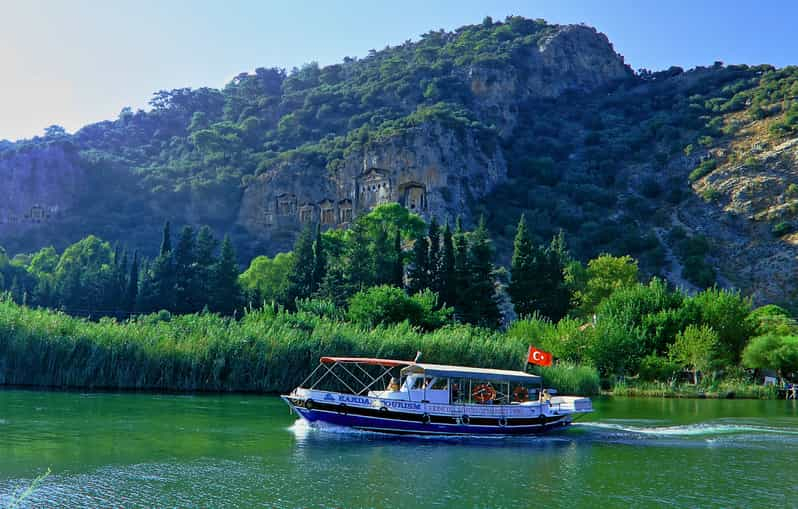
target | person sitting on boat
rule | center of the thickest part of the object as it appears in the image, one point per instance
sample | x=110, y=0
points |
x=545, y=397
x=393, y=385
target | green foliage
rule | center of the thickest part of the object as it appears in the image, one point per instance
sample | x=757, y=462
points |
x=695, y=348
x=603, y=276
x=782, y=228
x=654, y=368
x=263, y=351
x=703, y=169
x=384, y=305
x=772, y=351
x=726, y=312
x=266, y=279
x=570, y=378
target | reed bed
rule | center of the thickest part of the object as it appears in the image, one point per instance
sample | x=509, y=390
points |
x=264, y=351
x=722, y=390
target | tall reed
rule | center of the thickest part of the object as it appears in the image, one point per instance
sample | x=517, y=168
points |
x=265, y=351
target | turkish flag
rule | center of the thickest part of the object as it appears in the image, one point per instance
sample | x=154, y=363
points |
x=538, y=357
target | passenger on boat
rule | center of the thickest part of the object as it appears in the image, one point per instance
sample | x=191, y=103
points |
x=545, y=397
x=393, y=385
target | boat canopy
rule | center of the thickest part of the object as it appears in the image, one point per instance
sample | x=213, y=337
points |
x=493, y=375
x=365, y=360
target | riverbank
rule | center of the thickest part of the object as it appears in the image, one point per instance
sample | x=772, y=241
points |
x=720, y=390
x=265, y=351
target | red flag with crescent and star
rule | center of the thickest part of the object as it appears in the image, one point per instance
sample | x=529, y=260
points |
x=538, y=357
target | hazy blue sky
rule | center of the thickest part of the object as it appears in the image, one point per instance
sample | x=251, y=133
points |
x=71, y=62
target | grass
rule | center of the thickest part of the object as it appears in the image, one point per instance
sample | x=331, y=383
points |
x=265, y=351
x=716, y=390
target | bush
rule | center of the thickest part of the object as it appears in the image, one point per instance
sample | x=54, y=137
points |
x=782, y=228
x=385, y=305
x=703, y=169
x=654, y=368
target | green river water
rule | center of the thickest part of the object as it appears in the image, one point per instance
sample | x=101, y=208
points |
x=145, y=450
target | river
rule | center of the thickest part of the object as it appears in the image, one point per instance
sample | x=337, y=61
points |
x=145, y=450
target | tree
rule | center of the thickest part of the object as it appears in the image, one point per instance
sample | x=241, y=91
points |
x=301, y=278
x=448, y=291
x=461, y=276
x=226, y=294
x=727, y=313
x=358, y=263
x=434, y=258
x=522, y=272
x=132, y=290
x=384, y=305
x=384, y=256
x=695, y=348
x=205, y=257
x=419, y=269
x=267, y=278
x=186, y=293
x=398, y=277
x=479, y=302
x=603, y=276
x=319, y=260
x=166, y=239
x=772, y=351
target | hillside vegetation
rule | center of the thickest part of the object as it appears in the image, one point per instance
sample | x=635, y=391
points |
x=691, y=172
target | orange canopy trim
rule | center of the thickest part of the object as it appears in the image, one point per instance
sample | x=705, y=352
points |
x=366, y=360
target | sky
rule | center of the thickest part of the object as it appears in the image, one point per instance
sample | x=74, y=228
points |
x=74, y=62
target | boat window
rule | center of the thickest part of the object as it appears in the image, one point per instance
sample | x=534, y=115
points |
x=418, y=383
x=440, y=384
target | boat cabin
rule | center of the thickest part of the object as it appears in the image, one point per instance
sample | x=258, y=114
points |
x=425, y=383
x=452, y=385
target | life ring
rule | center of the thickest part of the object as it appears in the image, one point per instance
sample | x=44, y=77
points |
x=342, y=408
x=425, y=418
x=483, y=393
x=309, y=404
x=502, y=421
x=520, y=394
x=464, y=419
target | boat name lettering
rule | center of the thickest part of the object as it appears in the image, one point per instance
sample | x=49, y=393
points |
x=402, y=404
x=353, y=399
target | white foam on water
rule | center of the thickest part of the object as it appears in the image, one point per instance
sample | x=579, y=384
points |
x=701, y=429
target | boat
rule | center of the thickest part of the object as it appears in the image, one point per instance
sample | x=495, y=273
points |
x=409, y=397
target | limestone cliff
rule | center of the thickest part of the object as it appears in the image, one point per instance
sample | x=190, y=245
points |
x=39, y=186
x=430, y=170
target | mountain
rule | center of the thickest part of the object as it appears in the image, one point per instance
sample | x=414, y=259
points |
x=689, y=171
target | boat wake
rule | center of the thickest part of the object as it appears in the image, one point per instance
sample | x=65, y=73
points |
x=701, y=429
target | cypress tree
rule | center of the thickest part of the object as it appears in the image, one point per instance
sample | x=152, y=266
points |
x=166, y=240
x=359, y=262
x=227, y=295
x=319, y=261
x=558, y=294
x=301, y=278
x=185, y=277
x=447, y=274
x=434, y=259
x=480, y=303
x=419, y=270
x=461, y=278
x=522, y=271
x=205, y=257
x=132, y=290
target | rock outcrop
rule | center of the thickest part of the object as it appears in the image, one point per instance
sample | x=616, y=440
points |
x=39, y=186
x=430, y=170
